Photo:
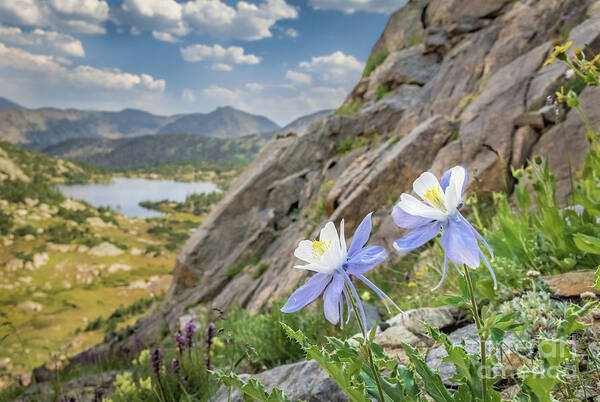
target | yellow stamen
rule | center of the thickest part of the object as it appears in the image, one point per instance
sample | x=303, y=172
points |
x=435, y=197
x=320, y=247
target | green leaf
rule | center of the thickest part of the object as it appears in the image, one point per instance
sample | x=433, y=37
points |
x=340, y=368
x=587, y=244
x=571, y=322
x=252, y=389
x=433, y=384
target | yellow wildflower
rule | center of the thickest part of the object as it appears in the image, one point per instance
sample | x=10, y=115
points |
x=558, y=51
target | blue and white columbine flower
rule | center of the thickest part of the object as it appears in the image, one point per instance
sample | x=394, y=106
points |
x=439, y=211
x=334, y=266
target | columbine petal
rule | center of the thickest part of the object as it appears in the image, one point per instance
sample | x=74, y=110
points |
x=424, y=183
x=415, y=207
x=361, y=310
x=385, y=298
x=459, y=242
x=305, y=252
x=406, y=220
x=329, y=234
x=445, y=180
x=365, y=259
x=306, y=293
x=418, y=236
x=444, y=272
x=331, y=298
x=342, y=238
x=361, y=235
x=455, y=188
x=489, y=267
x=332, y=258
x=481, y=239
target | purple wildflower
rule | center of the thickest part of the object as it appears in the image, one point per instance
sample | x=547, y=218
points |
x=179, y=341
x=190, y=331
x=175, y=365
x=334, y=266
x=156, y=360
x=210, y=334
x=439, y=210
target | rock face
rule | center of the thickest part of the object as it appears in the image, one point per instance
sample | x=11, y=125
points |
x=305, y=381
x=571, y=284
x=465, y=85
x=89, y=388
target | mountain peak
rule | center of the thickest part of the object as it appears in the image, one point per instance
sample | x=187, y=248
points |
x=6, y=104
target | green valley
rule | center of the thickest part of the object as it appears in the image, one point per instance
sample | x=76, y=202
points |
x=70, y=266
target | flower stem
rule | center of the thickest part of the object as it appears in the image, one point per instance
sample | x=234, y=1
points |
x=482, y=341
x=363, y=329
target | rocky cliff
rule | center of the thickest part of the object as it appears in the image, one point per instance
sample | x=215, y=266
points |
x=463, y=82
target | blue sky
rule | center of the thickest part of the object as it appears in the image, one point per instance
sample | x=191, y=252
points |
x=280, y=58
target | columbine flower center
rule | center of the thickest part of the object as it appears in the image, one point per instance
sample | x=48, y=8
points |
x=320, y=247
x=435, y=197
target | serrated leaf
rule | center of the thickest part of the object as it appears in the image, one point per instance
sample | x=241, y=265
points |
x=433, y=384
x=252, y=389
x=339, y=371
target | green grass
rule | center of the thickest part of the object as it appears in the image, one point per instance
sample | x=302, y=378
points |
x=234, y=270
x=381, y=92
x=374, y=61
x=260, y=269
x=315, y=211
x=345, y=145
x=121, y=314
x=351, y=108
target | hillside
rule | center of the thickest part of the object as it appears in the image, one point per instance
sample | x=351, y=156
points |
x=156, y=149
x=7, y=104
x=44, y=127
x=68, y=266
x=223, y=122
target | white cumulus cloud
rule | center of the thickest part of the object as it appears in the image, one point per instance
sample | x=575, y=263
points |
x=223, y=95
x=298, y=77
x=221, y=67
x=254, y=87
x=245, y=21
x=232, y=54
x=188, y=95
x=352, y=6
x=164, y=36
x=50, y=70
x=292, y=33
x=42, y=40
x=335, y=68
x=81, y=16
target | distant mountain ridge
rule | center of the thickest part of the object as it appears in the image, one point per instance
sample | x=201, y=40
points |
x=148, y=150
x=41, y=128
x=154, y=149
x=8, y=104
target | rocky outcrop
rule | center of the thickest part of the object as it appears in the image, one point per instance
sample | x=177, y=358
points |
x=571, y=284
x=465, y=85
x=89, y=388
